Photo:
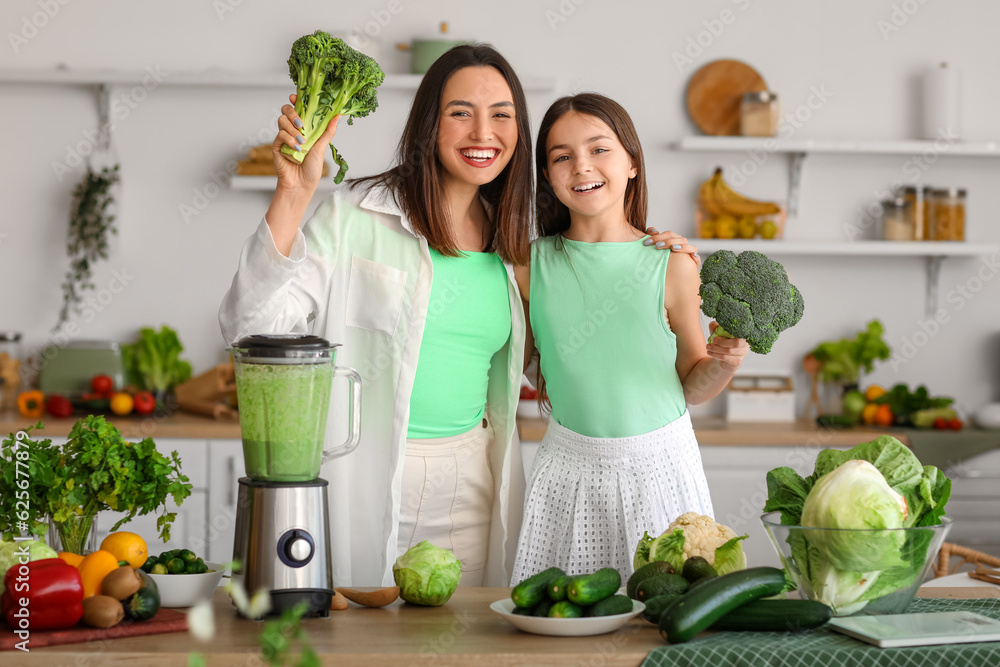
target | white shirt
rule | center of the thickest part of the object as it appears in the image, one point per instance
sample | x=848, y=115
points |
x=361, y=277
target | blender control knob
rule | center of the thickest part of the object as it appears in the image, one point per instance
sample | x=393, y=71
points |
x=296, y=548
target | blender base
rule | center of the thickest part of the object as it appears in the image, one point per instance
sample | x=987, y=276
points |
x=317, y=601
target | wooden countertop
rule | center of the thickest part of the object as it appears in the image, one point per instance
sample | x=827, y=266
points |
x=531, y=429
x=463, y=632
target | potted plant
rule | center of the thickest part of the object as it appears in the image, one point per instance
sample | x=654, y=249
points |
x=842, y=361
x=97, y=469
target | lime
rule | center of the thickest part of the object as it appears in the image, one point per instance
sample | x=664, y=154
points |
x=176, y=566
x=159, y=568
x=768, y=229
x=186, y=555
x=148, y=565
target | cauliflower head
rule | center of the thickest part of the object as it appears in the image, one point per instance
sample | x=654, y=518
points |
x=690, y=535
x=702, y=535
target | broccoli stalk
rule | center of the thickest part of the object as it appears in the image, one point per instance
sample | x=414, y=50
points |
x=330, y=78
x=750, y=297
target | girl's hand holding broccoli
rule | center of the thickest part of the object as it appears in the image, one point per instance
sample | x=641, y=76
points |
x=730, y=352
x=293, y=176
x=668, y=240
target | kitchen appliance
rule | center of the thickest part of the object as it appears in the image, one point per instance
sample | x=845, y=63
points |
x=425, y=51
x=282, y=544
x=67, y=369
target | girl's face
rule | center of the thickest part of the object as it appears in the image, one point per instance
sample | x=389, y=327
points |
x=477, y=131
x=588, y=168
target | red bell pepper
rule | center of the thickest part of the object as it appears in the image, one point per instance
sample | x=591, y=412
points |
x=42, y=595
x=58, y=406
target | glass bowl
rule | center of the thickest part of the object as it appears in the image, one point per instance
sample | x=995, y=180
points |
x=862, y=571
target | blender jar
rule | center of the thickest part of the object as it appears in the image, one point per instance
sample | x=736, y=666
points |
x=283, y=385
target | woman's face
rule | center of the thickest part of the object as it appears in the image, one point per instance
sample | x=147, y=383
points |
x=587, y=166
x=477, y=130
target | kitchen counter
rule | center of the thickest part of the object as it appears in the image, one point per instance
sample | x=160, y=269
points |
x=463, y=632
x=531, y=429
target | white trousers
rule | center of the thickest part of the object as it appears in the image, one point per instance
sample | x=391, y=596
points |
x=447, y=498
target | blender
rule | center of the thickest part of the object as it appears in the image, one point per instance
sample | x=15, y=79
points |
x=283, y=385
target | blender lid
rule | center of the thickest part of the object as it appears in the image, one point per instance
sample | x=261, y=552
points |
x=283, y=345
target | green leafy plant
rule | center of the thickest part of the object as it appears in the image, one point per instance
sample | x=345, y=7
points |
x=25, y=479
x=97, y=469
x=153, y=362
x=90, y=224
x=330, y=78
x=843, y=360
x=279, y=634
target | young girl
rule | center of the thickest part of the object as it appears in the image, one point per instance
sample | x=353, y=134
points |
x=618, y=331
x=411, y=271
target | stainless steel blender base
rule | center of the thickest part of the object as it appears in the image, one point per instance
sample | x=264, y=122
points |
x=283, y=543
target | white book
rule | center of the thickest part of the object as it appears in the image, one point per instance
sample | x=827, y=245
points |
x=940, y=627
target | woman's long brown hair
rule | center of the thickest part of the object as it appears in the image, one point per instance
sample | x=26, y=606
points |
x=552, y=216
x=416, y=180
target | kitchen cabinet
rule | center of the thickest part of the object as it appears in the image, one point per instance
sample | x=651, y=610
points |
x=225, y=467
x=975, y=503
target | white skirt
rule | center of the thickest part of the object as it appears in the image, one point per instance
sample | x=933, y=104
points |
x=590, y=499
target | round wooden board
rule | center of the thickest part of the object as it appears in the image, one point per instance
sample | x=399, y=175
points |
x=714, y=94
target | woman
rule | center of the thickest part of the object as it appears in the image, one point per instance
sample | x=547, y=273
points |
x=411, y=270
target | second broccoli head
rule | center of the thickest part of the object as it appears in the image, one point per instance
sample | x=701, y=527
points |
x=750, y=297
x=330, y=78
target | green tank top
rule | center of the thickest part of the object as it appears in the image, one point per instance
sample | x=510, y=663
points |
x=468, y=321
x=607, y=353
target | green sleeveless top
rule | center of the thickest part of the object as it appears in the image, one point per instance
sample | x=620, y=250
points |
x=468, y=321
x=607, y=353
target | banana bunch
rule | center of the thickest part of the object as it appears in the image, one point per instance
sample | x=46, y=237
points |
x=716, y=198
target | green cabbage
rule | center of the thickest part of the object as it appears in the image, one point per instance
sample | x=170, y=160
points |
x=876, y=485
x=427, y=575
x=11, y=552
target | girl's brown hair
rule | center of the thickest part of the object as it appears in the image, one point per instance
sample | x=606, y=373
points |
x=552, y=215
x=416, y=180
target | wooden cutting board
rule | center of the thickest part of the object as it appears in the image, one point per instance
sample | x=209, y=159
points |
x=166, y=620
x=714, y=94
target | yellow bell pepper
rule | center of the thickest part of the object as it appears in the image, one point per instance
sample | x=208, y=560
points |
x=31, y=404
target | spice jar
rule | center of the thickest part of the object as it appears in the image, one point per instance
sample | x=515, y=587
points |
x=897, y=224
x=759, y=114
x=917, y=198
x=947, y=214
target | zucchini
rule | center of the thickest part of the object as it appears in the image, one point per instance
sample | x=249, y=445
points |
x=661, y=584
x=656, y=606
x=616, y=604
x=644, y=572
x=530, y=592
x=592, y=588
x=565, y=609
x=557, y=589
x=775, y=616
x=696, y=568
x=716, y=597
x=542, y=608
x=145, y=602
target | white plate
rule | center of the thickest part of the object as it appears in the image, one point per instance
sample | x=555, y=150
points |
x=565, y=627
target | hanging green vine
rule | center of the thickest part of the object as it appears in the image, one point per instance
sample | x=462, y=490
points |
x=90, y=223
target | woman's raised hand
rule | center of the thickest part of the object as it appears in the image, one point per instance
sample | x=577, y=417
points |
x=669, y=241
x=293, y=176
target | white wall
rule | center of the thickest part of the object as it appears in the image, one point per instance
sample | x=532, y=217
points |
x=175, y=139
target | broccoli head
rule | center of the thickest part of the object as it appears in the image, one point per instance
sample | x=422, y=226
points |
x=750, y=297
x=330, y=78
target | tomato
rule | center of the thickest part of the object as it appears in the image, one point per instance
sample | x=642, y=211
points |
x=940, y=423
x=121, y=403
x=955, y=424
x=144, y=402
x=102, y=384
x=883, y=415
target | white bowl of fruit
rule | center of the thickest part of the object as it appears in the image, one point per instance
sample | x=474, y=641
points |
x=184, y=578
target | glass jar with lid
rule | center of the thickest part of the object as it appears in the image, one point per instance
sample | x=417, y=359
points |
x=10, y=343
x=759, y=114
x=947, y=214
x=917, y=197
x=897, y=222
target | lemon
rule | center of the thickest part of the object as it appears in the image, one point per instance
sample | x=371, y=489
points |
x=708, y=228
x=768, y=229
x=726, y=227
x=747, y=227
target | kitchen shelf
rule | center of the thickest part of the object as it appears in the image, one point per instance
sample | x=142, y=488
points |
x=775, y=145
x=269, y=183
x=214, y=78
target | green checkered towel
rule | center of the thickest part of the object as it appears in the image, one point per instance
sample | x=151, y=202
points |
x=824, y=647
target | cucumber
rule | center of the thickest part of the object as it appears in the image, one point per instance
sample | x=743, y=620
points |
x=542, y=608
x=646, y=571
x=656, y=606
x=696, y=568
x=557, y=589
x=530, y=592
x=661, y=584
x=616, y=604
x=522, y=611
x=775, y=616
x=715, y=598
x=565, y=609
x=592, y=588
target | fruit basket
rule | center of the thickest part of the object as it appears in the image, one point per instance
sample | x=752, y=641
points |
x=723, y=213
